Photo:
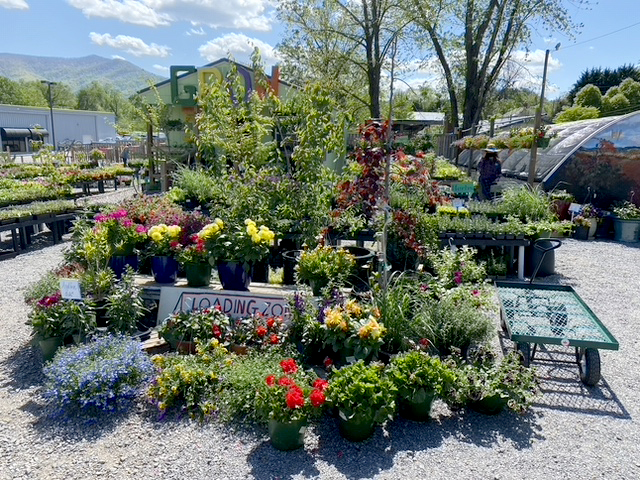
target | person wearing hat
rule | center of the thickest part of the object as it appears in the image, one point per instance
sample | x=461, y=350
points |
x=489, y=170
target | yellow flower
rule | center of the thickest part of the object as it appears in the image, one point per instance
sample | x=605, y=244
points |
x=219, y=223
x=174, y=230
x=353, y=308
x=333, y=317
x=248, y=222
x=256, y=238
x=252, y=230
x=156, y=236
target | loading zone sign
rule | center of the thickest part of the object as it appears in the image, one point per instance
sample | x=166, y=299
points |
x=234, y=304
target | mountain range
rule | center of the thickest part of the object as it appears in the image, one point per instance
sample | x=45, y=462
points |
x=77, y=73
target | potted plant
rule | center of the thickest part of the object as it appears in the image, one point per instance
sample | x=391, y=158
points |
x=124, y=305
x=256, y=331
x=489, y=386
x=583, y=226
x=325, y=266
x=163, y=246
x=562, y=200
x=288, y=400
x=235, y=250
x=195, y=257
x=626, y=222
x=363, y=396
x=54, y=320
x=181, y=329
x=419, y=378
x=123, y=237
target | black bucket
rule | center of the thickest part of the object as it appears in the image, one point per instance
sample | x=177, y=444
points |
x=289, y=261
x=365, y=265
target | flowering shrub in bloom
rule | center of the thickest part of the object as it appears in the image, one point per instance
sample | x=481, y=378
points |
x=54, y=316
x=164, y=239
x=201, y=324
x=122, y=234
x=295, y=395
x=243, y=243
x=105, y=374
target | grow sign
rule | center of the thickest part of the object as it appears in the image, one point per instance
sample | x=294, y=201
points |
x=234, y=304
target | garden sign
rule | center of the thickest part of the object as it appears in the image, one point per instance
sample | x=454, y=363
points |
x=233, y=303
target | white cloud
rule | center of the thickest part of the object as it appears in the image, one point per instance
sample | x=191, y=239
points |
x=162, y=69
x=117, y=57
x=132, y=45
x=254, y=15
x=17, y=4
x=239, y=46
x=534, y=61
x=200, y=31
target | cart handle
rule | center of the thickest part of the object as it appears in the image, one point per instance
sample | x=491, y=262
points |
x=555, y=243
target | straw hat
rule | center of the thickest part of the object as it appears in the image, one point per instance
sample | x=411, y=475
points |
x=491, y=148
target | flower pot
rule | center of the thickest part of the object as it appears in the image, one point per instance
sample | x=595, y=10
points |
x=49, y=347
x=593, y=227
x=234, y=275
x=543, y=142
x=357, y=428
x=198, y=274
x=260, y=272
x=417, y=406
x=317, y=285
x=119, y=263
x=287, y=435
x=165, y=269
x=626, y=230
x=364, y=266
x=186, y=347
x=491, y=405
x=581, y=233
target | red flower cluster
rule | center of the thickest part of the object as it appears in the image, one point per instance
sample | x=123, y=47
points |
x=289, y=366
x=50, y=301
x=295, y=397
x=261, y=331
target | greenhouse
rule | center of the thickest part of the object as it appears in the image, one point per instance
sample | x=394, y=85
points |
x=593, y=159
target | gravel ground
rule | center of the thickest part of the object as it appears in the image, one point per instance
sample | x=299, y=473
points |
x=572, y=432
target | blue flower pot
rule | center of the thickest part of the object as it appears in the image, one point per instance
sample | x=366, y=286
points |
x=165, y=269
x=119, y=263
x=234, y=275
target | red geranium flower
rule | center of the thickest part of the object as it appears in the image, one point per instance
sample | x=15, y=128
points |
x=327, y=362
x=271, y=322
x=289, y=366
x=261, y=331
x=271, y=380
x=273, y=339
x=295, y=399
x=286, y=382
x=320, y=384
x=317, y=398
x=217, y=331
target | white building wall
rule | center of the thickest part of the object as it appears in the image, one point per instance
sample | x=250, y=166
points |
x=68, y=124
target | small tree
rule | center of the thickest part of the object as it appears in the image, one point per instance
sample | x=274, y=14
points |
x=589, y=96
x=616, y=104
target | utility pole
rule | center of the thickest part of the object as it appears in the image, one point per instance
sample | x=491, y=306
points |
x=53, y=132
x=538, y=120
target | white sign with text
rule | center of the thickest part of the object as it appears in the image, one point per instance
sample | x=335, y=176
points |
x=235, y=304
x=70, y=289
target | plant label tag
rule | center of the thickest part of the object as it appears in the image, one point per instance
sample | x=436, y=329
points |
x=70, y=289
x=575, y=207
x=458, y=203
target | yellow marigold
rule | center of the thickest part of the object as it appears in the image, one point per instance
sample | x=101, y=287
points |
x=364, y=331
x=219, y=223
x=248, y=222
x=256, y=238
x=174, y=230
x=252, y=230
x=156, y=236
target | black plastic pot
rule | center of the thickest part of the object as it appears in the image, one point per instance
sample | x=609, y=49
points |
x=289, y=261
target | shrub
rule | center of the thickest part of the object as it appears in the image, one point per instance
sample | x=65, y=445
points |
x=571, y=114
x=106, y=374
x=529, y=205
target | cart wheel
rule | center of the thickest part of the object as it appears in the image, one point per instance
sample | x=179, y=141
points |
x=525, y=350
x=589, y=365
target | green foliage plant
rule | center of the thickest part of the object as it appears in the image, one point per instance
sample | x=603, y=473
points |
x=416, y=375
x=453, y=268
x=627, y=211
x=54, y=316
x=325, y=265
x=364, y=392
x=528, y=204
x=508, y=379
x=203, y=325
x=125, y=305
x=572, y=114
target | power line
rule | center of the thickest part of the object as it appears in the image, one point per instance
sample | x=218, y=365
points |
x=601, y=36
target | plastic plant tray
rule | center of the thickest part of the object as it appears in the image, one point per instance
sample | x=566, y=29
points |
x=551, y=314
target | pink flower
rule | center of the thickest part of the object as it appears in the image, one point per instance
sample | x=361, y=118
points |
x=119, y=214
x=101, y=218
x=476, y=292
x=141, y=229
x=127, y=223
x=458, y=278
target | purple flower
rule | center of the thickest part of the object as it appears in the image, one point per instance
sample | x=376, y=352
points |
x=298, y=302
x=101, y=218
x=141, y=229
x=458, y=278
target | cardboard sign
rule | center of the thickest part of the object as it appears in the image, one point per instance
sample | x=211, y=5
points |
x=70, y=289
x=234, y=304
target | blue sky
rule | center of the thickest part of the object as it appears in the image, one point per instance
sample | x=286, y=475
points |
x=155, y=34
